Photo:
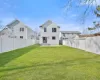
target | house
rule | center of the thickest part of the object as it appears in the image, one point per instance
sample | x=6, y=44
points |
x=69, y=34
x=17, y=29
x=49, y=33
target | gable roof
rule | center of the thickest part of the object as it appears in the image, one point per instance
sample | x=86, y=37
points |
x=14, y=23
x=47, y=23
x=68, y=32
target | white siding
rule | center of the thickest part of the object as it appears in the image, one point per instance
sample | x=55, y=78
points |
x=8, y=44
x=49, y=34
x=19, y=33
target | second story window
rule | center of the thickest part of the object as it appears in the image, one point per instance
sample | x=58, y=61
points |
x=45, y=30
x=63, y=34
x=21, y=37
x=54, y=30
x=21, y=29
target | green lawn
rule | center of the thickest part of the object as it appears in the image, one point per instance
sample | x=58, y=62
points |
x=49, y=63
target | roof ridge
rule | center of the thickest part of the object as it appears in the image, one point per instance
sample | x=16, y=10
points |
x=12, y=22
x=18, y=21
x=48, y=22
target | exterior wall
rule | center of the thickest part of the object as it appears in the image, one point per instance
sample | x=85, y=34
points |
x=30, y=34
x=5, y=32
x=10, y=37
x=15, y=31
x=90, y=44
x=49, y=34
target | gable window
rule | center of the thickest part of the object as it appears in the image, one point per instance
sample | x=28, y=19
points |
x=45, y=30
x=21, y=29
x=21, y=37
x=54, y=29
x=53, y=38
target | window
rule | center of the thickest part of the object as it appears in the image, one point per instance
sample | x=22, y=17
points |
x=21, y=37
x=63, y=34
x=21, y=29
x=53, y=38
x=54, y=30
x=45, y=30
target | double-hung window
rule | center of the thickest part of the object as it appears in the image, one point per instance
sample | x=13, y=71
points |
x=21, y=29
x=45, y=29
x=54, y=30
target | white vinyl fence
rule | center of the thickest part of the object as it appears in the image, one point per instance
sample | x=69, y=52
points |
x=8, y=44
x=90, y=44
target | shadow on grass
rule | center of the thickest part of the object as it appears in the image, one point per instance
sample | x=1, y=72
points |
x=61, y=63
x=8, y=56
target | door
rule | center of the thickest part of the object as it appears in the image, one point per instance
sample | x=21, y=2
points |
x=44, y=39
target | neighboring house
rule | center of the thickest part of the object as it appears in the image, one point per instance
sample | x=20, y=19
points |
x=69, y=34
x=49, y=33
x=17, y=29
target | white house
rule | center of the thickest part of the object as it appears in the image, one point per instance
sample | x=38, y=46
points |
x=16, y=35
x=17, y=29
x=69, y=34
x=49, y=33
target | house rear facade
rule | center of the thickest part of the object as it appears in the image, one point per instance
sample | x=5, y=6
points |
x=49, y=33
x=17, y=29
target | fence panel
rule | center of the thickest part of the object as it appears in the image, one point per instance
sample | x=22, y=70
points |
x=91, y=44
x=8, y=44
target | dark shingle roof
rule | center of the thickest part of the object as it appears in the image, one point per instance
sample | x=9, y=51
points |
x=68, y=32
x=47, y=23
x=13, y=23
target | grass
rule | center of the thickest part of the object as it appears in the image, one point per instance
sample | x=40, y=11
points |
x=49, y=63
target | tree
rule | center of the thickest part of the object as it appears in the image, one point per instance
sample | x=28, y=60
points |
x=89, y=8
x=97, y=11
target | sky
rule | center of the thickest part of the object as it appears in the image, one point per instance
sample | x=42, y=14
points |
x=35, y=12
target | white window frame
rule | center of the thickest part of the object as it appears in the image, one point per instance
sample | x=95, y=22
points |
x=21, y=37
x=21, y=29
